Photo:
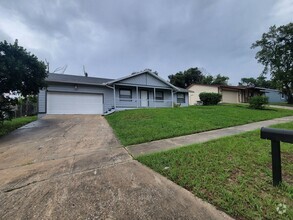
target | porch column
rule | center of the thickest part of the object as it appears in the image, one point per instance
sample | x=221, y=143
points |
x=172, y=98
x=137, y=96
x=155, y=98
x=114, y=90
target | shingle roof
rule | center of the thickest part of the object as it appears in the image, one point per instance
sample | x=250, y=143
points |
x=65, y=78
x=183, y=90
x=75, y=79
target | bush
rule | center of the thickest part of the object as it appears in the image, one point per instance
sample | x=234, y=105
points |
x=210, y=98
x=258, y=102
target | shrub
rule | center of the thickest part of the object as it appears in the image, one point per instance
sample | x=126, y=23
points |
x=258, y=102
x=210, y=98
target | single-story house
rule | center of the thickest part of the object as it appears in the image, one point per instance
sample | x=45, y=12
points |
x=71, y=94
x=274, y=95
x=230, y=94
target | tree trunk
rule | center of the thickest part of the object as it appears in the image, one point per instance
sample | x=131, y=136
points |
x=289, y=96
x=288, y=93
x=290, y=99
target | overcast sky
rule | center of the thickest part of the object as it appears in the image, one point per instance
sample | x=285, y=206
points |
x=114, y=38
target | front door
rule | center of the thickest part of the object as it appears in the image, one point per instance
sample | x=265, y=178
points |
x=144, y=102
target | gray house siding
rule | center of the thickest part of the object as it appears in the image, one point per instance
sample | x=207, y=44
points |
x=42, y=101
x=130, y=103
x=134, y=103
x=186, y=100
x=144, y=79
x=274, y=96
x=91, y=89
x=167, y=97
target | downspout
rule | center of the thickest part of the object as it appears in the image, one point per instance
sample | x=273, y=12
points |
x=113, y=93
x=172, y=98
x=154, y=98
x=137, y=102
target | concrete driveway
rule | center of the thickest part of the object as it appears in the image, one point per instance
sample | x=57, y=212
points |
x=73, y=167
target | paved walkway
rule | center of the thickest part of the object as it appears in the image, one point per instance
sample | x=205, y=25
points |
x=166, y=144
x=281, y=106
x=73, y=167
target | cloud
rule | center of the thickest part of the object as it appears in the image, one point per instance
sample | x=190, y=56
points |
x=114, y=38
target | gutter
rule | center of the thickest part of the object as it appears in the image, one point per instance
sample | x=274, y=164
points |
x=108, y=86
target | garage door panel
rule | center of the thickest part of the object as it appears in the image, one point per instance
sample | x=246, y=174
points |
x=230, y=96
x=74, y=103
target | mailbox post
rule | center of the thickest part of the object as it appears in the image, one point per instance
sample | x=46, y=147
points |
x=276, y=162
x=276, y=136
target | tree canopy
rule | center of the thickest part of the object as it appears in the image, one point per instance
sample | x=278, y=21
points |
x=20, y=72
x=276, y=54
x=220, y=80
x=260, y=81
x=186, y=78
x=193, y=76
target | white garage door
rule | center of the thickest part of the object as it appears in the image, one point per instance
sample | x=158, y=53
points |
x=230, y=96
x=74, y=103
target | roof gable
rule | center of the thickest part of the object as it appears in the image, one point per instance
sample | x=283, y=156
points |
x=146, y=77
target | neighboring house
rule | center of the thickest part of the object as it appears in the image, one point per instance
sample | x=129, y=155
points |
x=70, y=94
x=274, y=95
x=230, y=94
x=197, y=89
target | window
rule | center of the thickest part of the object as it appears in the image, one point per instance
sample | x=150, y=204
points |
x=160, y=95
x=125, y=94
x=180, y=98
x=282, y=96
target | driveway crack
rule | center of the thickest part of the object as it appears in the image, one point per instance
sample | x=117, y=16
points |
x=16, y=188
x=66, y=174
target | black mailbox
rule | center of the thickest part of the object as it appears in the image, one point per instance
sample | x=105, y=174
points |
x=276, y=136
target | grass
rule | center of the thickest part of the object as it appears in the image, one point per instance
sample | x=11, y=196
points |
x=9, y=126
x=233, y=173
x=143, y=125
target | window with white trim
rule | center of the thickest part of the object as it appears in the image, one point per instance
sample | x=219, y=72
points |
x=160, y=95
x=180, y=98
x=125, y=94
x=282, y=96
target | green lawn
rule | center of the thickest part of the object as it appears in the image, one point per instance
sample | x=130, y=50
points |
x=9, y=126
x=233, y=173
x=143, y=125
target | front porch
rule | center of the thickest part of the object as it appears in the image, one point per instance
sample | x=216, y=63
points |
x=128, y=97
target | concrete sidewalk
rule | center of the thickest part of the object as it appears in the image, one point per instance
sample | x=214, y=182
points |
x=166, y=144
x=281, y=106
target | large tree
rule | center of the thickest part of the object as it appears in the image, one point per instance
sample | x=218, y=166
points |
x=247, y=81
x=194, y=75
x=276, y=54
x=20, y=72
x=260, y=81
x=186, y=78
x=220, y=80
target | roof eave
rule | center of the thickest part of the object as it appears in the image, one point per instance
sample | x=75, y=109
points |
x=73, y=82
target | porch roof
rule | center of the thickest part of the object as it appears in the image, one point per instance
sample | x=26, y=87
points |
x=152, y=87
